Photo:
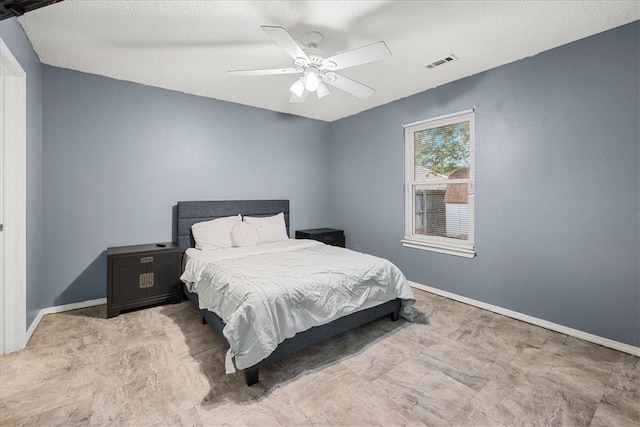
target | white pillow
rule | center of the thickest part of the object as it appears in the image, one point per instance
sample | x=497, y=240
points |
x=270, y=228
x=244, y=234
x=214, y=234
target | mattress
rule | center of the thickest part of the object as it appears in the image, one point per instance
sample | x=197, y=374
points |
x=268, y=293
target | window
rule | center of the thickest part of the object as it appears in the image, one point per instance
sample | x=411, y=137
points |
x=439, y=184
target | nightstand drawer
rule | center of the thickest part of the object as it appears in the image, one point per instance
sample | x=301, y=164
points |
x=143, y=260
x=329, y=236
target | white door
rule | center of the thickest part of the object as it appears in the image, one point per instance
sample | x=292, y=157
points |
x=12, y=203
x=2, y=192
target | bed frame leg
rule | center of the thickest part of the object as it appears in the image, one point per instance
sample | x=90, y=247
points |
x=251, y=375
x=395, y=315
x=204, y=321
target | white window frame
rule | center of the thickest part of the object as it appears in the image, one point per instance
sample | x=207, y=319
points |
x=446, y=245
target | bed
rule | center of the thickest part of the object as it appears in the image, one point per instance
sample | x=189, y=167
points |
x=192, y=212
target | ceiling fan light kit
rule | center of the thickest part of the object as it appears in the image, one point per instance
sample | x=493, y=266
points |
x=311, y=79
x=322, y=91
x=316, y=68
x=298, y=87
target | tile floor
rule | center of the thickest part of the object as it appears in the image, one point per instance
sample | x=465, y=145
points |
x=468, y=367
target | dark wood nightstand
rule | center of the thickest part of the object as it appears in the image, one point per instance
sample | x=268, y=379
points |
x=330, y=236
x=142, y=275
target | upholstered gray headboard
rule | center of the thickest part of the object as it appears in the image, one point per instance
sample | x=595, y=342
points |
x=190, y=212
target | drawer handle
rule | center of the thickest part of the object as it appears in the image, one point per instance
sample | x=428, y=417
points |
x=145, y=280
x=146, y=259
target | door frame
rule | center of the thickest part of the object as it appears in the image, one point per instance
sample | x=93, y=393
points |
x=13, y=271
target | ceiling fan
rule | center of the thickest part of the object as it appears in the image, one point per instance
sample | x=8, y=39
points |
x=316, y=67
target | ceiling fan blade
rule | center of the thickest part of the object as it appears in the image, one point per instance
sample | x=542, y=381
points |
x=265, y=72
x=285, y=41
x=361, y=55
x=295, y=99
x=348, y=85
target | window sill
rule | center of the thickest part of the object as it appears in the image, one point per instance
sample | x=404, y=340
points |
x=461, y=252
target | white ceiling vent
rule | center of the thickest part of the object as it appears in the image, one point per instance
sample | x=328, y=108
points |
x=442, y=61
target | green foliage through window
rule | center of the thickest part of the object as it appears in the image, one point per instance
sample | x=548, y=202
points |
x=442, y=150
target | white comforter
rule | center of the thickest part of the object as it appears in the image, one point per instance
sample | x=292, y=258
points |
x=268, y=293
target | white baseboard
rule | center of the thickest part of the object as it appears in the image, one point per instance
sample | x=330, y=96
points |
x=60, y=309
x=616, y=345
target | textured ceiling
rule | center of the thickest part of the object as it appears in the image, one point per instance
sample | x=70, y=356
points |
x=189, y=46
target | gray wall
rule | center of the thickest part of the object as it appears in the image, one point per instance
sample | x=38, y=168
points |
x=16, y=40
x=557, y=210
x=117, y=156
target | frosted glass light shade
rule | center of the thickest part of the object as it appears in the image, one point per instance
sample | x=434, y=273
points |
x=323, y=90
x=312, y=80
x=298, y=87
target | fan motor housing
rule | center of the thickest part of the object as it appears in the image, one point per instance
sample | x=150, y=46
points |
x=315, y=54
